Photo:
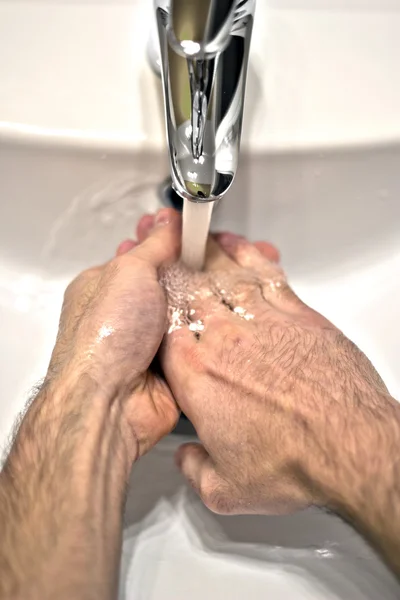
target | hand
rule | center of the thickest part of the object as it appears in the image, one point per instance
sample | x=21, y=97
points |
x=112, y=324
x=281, y=399
x=63, y=485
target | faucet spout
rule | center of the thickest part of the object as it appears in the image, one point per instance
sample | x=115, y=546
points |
x=204, y=48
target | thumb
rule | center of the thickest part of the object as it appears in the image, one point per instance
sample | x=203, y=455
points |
x=197, y=466
x=162, y=246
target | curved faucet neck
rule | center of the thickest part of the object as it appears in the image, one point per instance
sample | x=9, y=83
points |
x=204, y=54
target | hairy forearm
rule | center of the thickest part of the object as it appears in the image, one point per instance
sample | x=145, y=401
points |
x=363, y=485
x=373, y=502
x=62, y=493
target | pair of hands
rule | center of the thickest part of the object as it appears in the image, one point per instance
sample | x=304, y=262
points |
x=269, y=384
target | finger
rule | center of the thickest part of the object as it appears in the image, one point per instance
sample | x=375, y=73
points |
x=197, y=467
x=185, y=361
x=154, y=413
x=247, y=255
x=268, y=251
x=275, y=288
x=144, y=227
x=162, y=246
x=125, y=246
x=182, y=374
x=216, y=258
x=240, y=250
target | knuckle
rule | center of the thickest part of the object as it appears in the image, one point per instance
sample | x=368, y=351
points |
x=164, y=418
x=217, y=500
x=131, y=262
x=90, y=273
x=120, y=262
x=194, y=358
x=174, y=417
x=170, y=418
x=70, y=292
x=81, y=280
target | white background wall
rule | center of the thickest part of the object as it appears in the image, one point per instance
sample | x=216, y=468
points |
x=323, y=73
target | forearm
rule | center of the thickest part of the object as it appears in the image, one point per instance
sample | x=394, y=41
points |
x=364, y=485
x=62, y=493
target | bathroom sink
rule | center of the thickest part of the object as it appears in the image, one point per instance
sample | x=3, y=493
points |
x=82, y=156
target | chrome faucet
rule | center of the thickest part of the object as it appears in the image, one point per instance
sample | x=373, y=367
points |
x=204, y=49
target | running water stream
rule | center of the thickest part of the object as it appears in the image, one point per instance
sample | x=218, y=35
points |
x=195, y=228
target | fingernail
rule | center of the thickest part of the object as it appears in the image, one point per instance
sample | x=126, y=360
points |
x=163, y=217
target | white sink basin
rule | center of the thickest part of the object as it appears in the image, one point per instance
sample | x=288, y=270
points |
x=81, y=158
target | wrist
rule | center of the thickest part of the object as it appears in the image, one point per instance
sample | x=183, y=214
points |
x=63, y=488
x=105, y=381
x=99, y=408
x=357, y=475
x=75, y=420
